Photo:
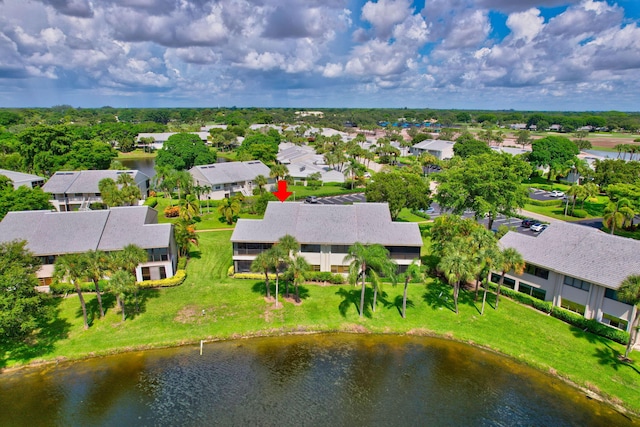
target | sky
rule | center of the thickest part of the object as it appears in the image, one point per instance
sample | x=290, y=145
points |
x=576, y=55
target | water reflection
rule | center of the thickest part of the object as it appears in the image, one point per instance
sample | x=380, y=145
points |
x=301, y=380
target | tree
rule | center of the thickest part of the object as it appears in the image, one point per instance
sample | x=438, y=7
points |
x=128, y=259
x=109, y=192
x=21, y=199
x=466, y=146
x=457, y=266
x=183, y=180
x=189, y=207
x=129, y=190
x=278, y=171
x=400, y=190
x=364, y=259
x=413, y=272
x=555, y=152
x=523, y=137
x=229, y=208
x=486, y=184
x=260, y=181
x=184, y=151
x=290, y=247
x=629, y=292
x=22, y=308
x=298, y=267
x=263, y=264
x=510, y=259
x=185, y=235
x=71, y=268
x=96, y=264
x=122, y=283
x=617, y=214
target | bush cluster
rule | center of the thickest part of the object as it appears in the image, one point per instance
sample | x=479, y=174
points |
x=176, y=280
x=579, y=213
x=575, y=319
x=420, y=213
x=554, y=202
x=172, y=211
x=253, y=276
x=325, y=276
x=151, y=202
x=59, y=288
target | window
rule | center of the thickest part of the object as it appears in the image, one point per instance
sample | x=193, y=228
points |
x=577, y=283
x=572, y=306
x=242, y=266
x=614, y=321
x=314, y=267
x=339, y=249
x=537, y=271
x=163, y=272
x=146, y=273
x=530, y=290
x=339, y=268
x=403, y=252
x=250, y=248
x=611, y=294
x=158, y=254
x=508, y=282
x=310, y=248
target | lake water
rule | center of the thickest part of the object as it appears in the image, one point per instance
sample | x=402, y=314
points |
x=314, y=380
x=147, y=166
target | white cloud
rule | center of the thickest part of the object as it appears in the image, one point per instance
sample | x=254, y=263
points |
x=384, y=14
x=525, y=25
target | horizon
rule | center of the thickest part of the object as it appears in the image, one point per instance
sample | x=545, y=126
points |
x=488, y=55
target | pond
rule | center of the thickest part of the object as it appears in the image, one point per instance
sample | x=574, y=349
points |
x=316, y=380
x=147, y=165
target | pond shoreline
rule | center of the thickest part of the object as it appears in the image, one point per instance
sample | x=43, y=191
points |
x=349, y=329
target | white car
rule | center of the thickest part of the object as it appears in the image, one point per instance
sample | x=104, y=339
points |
x=537, y=227
x=556, y=193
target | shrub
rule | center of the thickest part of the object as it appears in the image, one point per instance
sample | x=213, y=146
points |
x=151, y=202
x=420, y=213
x=98, y=206
x=253, y=276
x=59, y=288
x=325, y=276
x=172, y=211
x=554, y=202
x=579, y=213
x=176, y=280
x=152, y=193
x=230, y=271
x=182, y=263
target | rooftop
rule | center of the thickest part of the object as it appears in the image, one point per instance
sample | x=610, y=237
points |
x=53, y=233
x=578, y=251
x=367, y=223
x=223, y=173
x=87, y=181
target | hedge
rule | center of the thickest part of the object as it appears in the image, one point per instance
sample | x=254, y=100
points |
x=579, y=213
x=254, y=276
x=575, y=319
x=420, y=213
x=176, y=280
x=152, y=202
x=59, y=288
x=182, y=263
x=326, y=276
x=554, y=202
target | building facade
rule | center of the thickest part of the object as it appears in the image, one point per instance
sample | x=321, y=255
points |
x=228, y=179
x=325, y=233
x=576, y=267
x=77, y=190
x=23, y=179
x=51, y=234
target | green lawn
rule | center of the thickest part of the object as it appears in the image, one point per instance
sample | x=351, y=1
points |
x=136, y=154
x=234, y=308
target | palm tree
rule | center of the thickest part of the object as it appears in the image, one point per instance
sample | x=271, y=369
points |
x=189, y=207
x=229, y=208
x=96, y=264
x=413, y=272
x=278, y=171
x=289, y=247
x=184, y=181
x=510, y=259
x=263, y=264
x=457, y=267
x=185, y=235
x=629, y=292
x=298, y=267
x=162, y=179
x=128, y=259
x=129, y=190
x=575, y=191
x=590, y=190
x=71, y=268
x=616, y=214
x=261, y=181
x=364, y=259
x=109, y=192
x=122, y=283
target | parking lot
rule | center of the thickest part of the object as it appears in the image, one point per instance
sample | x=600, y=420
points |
x=345, y=199
x=537, y=194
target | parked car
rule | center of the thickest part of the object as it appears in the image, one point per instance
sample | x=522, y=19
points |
x=537, y=227
x=311, y=199
x=429, y=210
x=528, y=222
x=556, y=193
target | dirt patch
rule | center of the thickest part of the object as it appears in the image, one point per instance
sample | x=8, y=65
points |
x=355, y=328
x=187, y=314
x=292, y=300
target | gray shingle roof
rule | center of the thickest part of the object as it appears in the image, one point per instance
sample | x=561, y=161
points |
x=51, y=233
x=225, y=173
x=328, y=224
x=579, y=251
x=19, y=177
x=87, y=181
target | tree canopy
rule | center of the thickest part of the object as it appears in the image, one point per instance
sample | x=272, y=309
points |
x=555, y=152
x=400, y=190
x=184, y=151
x=21, y=199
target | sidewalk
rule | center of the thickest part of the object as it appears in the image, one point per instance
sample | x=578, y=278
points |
x=538, y=216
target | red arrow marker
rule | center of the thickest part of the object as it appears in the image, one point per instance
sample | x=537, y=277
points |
x=282, y=194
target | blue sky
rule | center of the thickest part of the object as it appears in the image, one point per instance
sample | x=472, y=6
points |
x=466, y=54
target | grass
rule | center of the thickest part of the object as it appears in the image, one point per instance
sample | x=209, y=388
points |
x=136, y=154
x=234, y=308
x=594, y=207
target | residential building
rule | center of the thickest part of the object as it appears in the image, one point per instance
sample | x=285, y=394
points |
x=302, y=161
x=230, y=178
x=19, y=179
x=77, y=190
x=325, y=233
x=576, y=267
x=439, y=148
x=51, y=234
x=161, y=137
